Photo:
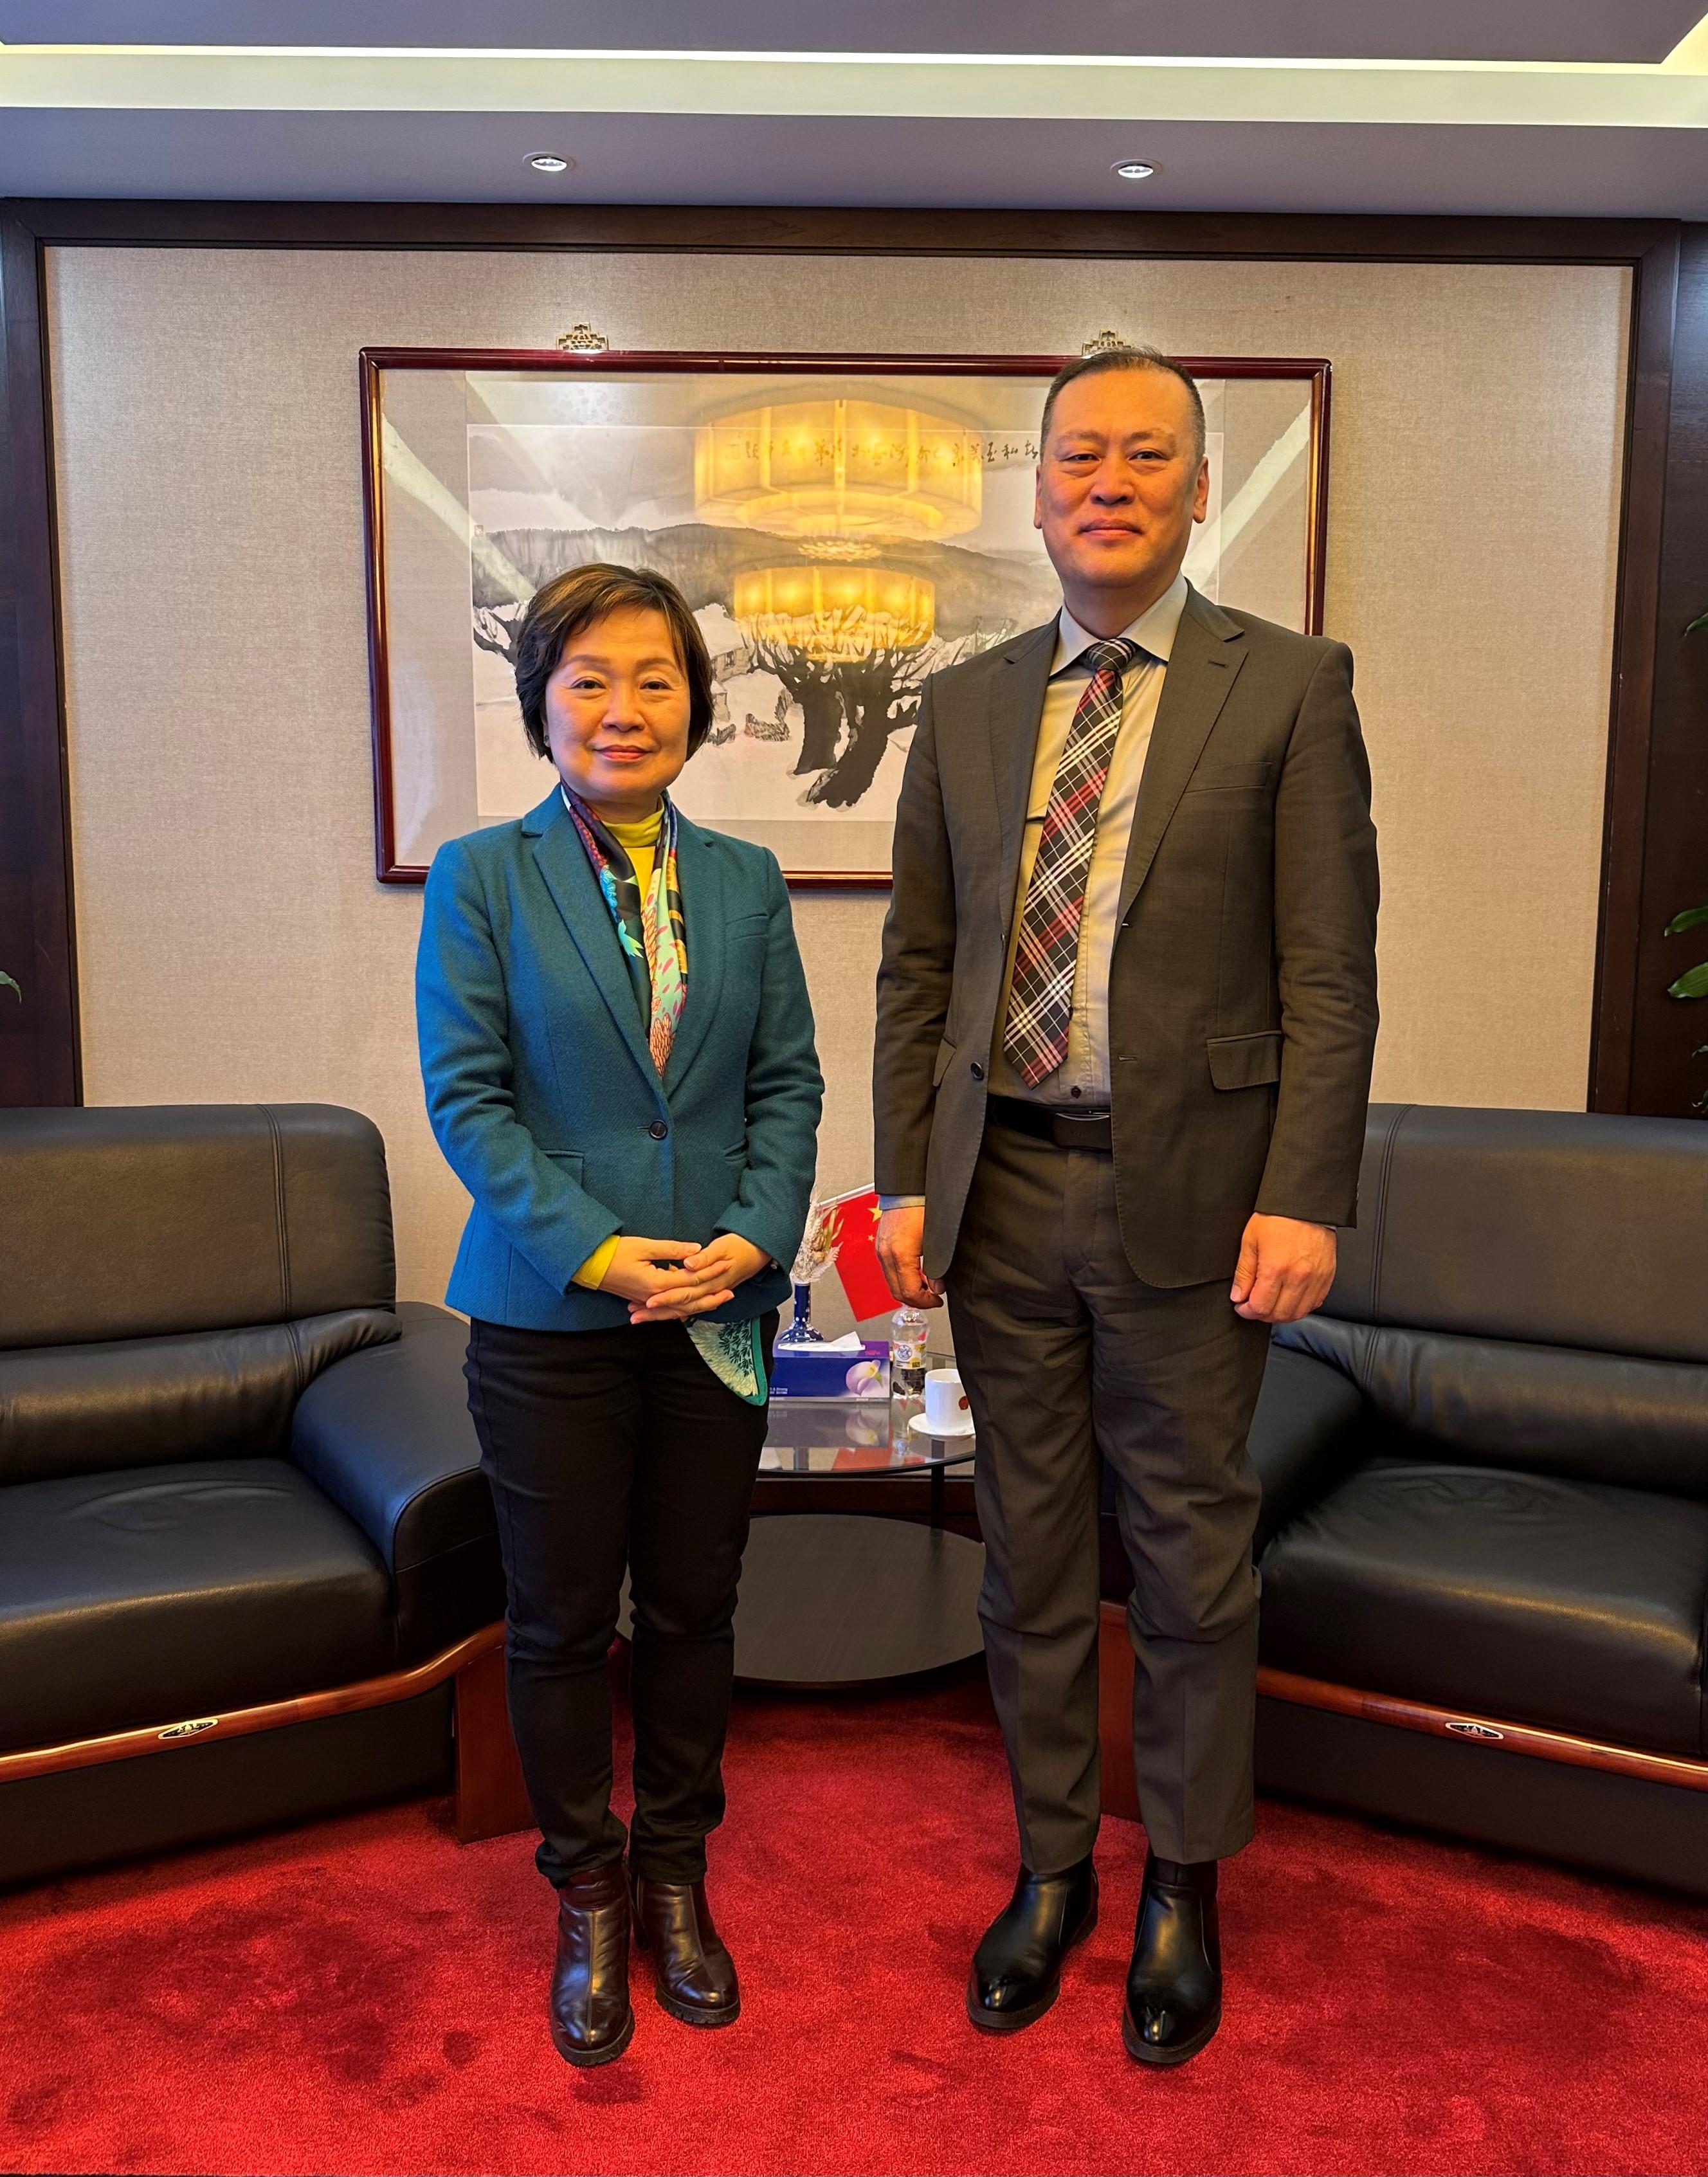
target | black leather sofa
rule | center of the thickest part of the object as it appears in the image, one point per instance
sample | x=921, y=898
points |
x=1484, y=1542
x=247, y=1562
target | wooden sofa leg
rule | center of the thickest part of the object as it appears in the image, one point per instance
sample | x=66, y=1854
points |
x=1115, y=1712
x=491, y=1798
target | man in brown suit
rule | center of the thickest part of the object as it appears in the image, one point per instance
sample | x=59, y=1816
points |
x=1125, y=1015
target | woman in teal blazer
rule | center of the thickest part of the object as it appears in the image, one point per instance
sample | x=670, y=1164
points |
x=617, y=1047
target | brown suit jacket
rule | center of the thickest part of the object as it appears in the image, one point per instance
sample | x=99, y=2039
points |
x=1242, y=983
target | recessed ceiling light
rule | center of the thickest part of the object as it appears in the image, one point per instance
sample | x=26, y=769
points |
x=548, y=162
x=1133, y=170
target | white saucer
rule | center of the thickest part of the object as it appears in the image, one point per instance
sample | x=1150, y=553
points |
x=921, y=1427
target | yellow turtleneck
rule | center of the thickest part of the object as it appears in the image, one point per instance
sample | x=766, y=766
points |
x=640, y=843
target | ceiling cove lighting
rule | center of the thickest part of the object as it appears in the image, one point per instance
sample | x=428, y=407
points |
x=548, y=162
x=1133, y=170
x=1125, y=90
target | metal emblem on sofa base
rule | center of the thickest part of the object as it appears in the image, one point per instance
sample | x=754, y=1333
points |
x=1512, y=1737
x=1115, y=1707
x=490, y=1800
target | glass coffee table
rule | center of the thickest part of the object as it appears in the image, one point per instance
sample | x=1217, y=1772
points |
x=842, y=1599
x=861, y=1436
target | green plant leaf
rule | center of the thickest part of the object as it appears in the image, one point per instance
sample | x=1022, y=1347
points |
x=1698, y=624
x=7, y=984
x=1693, y=917
x=1692, y=983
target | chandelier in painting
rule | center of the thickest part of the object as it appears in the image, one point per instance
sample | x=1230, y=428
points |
x=853, y=470
x=834, y=614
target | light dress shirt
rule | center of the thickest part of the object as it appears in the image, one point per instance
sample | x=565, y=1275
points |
x=1081, y=1080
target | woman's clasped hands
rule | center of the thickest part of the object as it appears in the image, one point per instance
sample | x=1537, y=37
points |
x=668, y=1280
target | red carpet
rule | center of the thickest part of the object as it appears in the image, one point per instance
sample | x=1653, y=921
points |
x=366, y=1995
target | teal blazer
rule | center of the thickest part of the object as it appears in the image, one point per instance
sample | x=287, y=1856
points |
x=542, y=1091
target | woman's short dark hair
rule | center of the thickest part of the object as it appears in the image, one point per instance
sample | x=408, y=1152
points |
x=575, y=600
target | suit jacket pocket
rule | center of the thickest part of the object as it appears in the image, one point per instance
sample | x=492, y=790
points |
x=946, y=1058
x=1248, y=778
x=570, y=1162
x=1245, y=1061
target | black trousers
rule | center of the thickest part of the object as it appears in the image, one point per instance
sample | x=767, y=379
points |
x=608, y=1449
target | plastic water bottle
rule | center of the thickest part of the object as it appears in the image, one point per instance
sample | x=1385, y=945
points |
x=907, y=1329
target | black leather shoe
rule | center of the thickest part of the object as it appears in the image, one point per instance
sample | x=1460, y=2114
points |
x=1174, y=1985
x=593, y=2020
x=1017, y=1970
x=696, y=1978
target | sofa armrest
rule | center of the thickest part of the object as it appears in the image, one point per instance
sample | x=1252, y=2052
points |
x=386, y=1434
x=1308, y=1432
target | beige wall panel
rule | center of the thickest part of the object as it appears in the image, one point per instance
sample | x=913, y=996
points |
x=233, y=941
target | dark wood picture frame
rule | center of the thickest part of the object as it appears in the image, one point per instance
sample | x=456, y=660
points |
x=372, y=362
x=1640, y=1050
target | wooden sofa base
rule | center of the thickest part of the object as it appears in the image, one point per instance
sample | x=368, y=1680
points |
x=491, y=1798
x=1115, y=1725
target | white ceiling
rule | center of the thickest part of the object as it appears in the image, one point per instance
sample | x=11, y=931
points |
x=479, y=158
x=1252, y=104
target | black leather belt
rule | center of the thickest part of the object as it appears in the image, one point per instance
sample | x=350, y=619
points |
x=1048, y=1123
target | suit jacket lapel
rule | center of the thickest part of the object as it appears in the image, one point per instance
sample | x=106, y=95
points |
x=1206, y=660
x=563, y=863
x=1017, y=711
x=700, y=868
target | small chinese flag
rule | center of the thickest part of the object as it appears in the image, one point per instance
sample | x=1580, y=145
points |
x=857, y=1256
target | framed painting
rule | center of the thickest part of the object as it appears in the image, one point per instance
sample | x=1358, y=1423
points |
x=841, y=525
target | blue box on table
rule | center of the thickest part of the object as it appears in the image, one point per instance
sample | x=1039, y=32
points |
x=827, y=1371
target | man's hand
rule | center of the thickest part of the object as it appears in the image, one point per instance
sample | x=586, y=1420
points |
x=708, y=1278
x=1286, y=1269
x=901, y=1240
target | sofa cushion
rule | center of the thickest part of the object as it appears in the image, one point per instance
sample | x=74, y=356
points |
x=1568, y=1604
x=1586, y=1416
x=133, y=1401
x=145, y=1220
x=177, y=1591
x=1559, y=1228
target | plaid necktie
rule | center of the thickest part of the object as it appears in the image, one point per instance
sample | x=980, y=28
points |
x=1040, y=997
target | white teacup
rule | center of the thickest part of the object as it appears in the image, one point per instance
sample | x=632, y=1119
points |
x=947, y=1412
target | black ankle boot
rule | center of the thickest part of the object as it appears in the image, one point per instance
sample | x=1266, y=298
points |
x=696, y=1978
x=593, y=2020
x=1017, y=1970
x=1174, y=1985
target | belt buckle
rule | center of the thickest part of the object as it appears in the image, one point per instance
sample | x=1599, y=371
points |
x=1067, y=1124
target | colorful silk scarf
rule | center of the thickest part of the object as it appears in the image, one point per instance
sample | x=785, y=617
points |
x=658, y=971
x=733, y=1351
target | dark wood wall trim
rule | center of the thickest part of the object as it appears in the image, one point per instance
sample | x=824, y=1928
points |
x=1666, y=1077
x=1654, y=312
x=1658, y=709
x=39, y=1059
x=856, y=233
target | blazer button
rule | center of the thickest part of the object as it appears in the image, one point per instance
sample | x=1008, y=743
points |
x=977, y=1070
x=658, y=1130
